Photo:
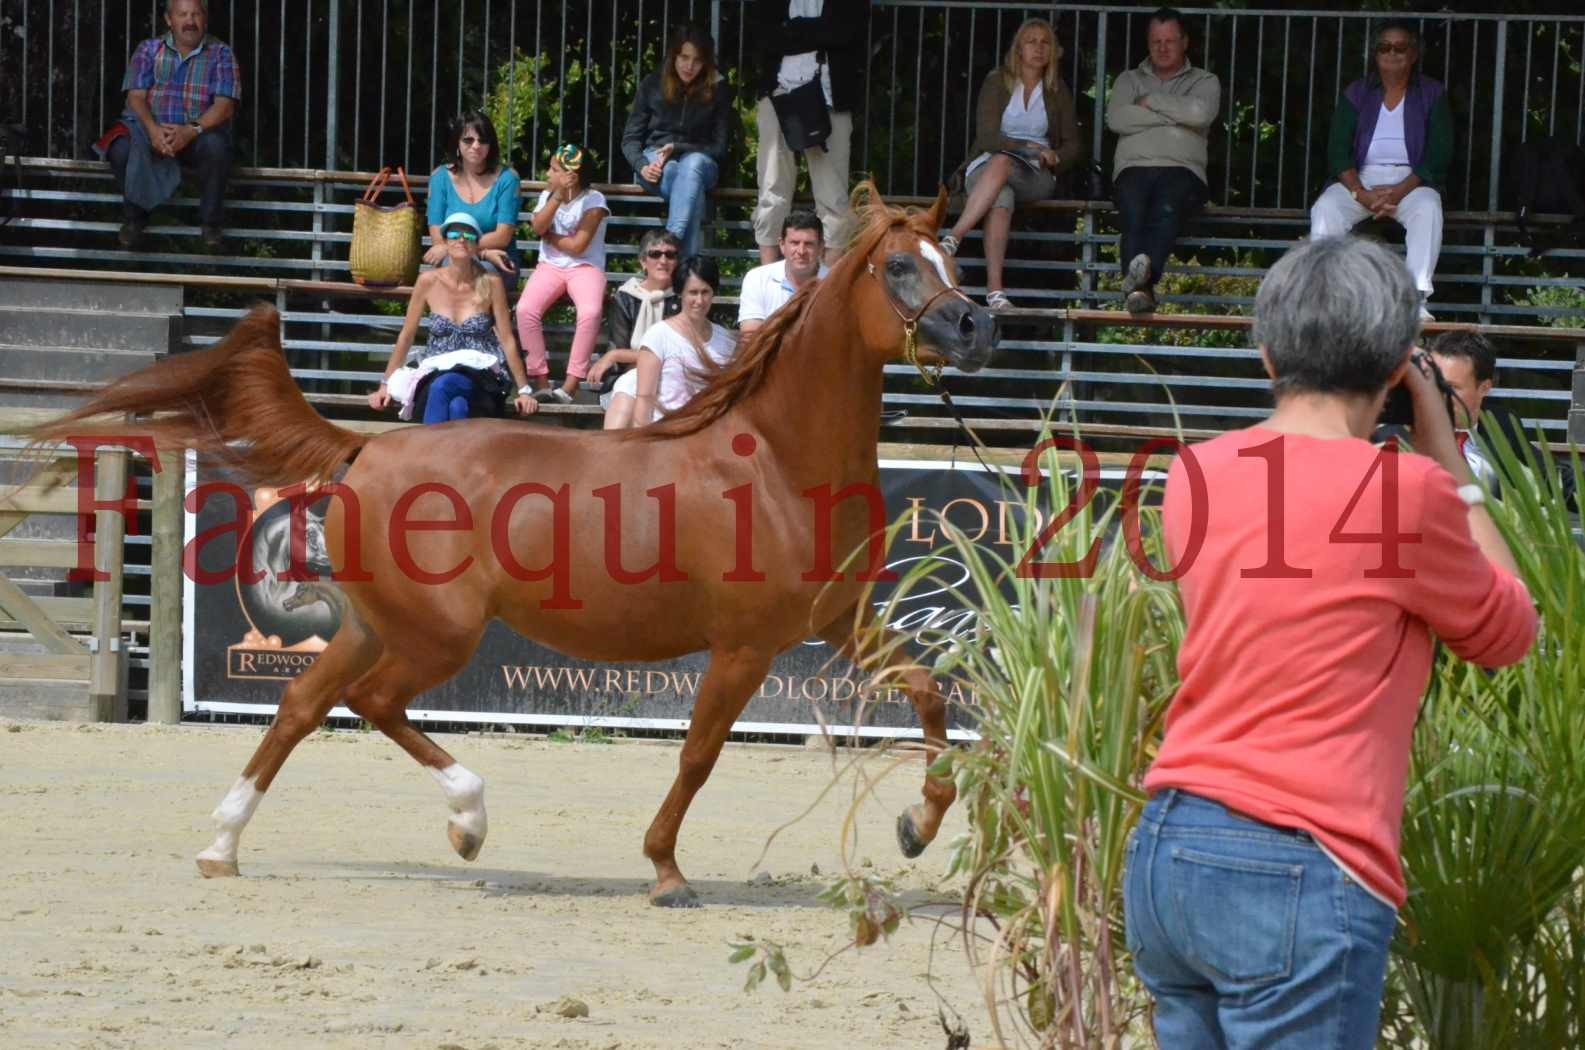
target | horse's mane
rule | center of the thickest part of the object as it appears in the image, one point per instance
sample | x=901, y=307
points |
x=748, y=369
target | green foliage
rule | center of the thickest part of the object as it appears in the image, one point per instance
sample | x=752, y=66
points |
x=870, y=904
x=766, y=957
x=1556, y=297
x=525, y=96
x=559, y=736
x=1186, y=279
x=1489, y=953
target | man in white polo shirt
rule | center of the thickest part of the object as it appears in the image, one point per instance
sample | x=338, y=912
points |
x=767, y=288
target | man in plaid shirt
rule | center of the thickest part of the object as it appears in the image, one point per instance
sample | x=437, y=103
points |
x=182, y=90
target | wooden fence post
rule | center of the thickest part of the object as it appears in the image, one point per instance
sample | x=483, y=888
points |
x=165, y=592
x=107, y=685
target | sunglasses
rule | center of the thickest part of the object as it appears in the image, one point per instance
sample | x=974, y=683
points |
x=455, y=234
x=661, y=253
x=1385, y=48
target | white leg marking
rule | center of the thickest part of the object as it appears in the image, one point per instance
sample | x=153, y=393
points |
x=464, y=793
x=928, y=250
x=231, y=816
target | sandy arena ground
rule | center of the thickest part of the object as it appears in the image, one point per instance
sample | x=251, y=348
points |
x=354, y=924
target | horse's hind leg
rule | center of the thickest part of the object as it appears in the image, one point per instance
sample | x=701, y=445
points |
x=875, y=650
x=303, y=707
x=728, y=683
x=382, y=696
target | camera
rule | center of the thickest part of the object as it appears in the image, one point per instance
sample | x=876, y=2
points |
x=1399, y=409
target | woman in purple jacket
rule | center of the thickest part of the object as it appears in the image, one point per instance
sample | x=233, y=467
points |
x=1388, y=154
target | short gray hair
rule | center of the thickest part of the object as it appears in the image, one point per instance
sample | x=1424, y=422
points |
x=659, y=235
x=203, y=6
x=1336, y=316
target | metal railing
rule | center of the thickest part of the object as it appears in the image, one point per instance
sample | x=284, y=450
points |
x=352, y=84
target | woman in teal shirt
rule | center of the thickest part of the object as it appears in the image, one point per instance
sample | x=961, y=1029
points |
x=473, y=180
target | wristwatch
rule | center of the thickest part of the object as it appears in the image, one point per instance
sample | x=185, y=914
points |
x=1472, y=495
x=197, y=127
x=525, y=390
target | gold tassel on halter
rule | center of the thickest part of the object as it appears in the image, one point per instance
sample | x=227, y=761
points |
x=929, y=373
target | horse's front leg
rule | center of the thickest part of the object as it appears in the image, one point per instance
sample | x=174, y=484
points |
x=875, y=651
x=730, y=680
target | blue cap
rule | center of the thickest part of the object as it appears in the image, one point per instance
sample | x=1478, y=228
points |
x=461, y=218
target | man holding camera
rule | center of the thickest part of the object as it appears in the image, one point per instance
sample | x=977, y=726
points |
x=1467, y=362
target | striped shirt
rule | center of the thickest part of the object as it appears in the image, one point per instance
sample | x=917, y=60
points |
x=181, y=89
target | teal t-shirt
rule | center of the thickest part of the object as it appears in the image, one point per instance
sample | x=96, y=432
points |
x=500, y=204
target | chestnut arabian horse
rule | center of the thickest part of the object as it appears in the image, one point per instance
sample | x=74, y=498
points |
x=487, y=509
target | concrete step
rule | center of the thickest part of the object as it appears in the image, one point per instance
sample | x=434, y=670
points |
x=67, y=363
x=89, y=329
x=120, y=297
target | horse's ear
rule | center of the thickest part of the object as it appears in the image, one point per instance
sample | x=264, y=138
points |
x=937, y=215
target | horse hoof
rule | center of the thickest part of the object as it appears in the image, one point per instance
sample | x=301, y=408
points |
x=466, y=843
x=681, y=897
x=210, y=868
x=908, y=839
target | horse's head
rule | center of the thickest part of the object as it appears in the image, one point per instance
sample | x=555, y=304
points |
x=913, y=307
x=304, y=595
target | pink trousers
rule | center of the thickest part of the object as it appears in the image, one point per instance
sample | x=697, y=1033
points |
x=546, y=284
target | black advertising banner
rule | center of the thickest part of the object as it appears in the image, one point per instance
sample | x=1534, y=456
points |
x=248, y=639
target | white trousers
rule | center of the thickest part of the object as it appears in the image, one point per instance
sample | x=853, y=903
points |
x=777, y=167
x=1336, y=212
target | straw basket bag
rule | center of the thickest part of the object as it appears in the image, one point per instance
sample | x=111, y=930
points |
x=385, y=239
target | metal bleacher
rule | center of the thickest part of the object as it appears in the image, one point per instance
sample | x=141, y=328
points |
x=1066, y=350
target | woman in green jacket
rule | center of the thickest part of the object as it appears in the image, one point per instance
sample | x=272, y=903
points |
x=1388, y=154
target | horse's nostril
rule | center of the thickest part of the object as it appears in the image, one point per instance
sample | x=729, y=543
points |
x=966, y=325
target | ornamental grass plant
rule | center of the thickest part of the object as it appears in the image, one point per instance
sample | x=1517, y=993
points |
x=1071, y=660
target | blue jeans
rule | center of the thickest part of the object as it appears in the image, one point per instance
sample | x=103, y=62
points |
x=1248, y=935
x=1152, y=205
x=448, y=398
x=683, y=184
x=208, y=157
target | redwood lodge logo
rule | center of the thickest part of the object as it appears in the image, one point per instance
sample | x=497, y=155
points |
x=290, y=619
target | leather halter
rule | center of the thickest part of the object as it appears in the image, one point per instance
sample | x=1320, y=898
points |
x=931, y=373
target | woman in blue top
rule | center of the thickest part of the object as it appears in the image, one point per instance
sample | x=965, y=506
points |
x=473, y=180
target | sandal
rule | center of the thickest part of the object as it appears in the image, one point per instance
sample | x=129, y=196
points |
x=949, y=244
x=997, y=300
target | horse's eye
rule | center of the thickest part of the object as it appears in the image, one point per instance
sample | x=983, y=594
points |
x=897, y=267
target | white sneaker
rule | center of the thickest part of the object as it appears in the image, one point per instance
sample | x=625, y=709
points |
x=949, y=244
x=998, y=301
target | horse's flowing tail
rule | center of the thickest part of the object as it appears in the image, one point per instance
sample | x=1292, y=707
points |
x=234, y=403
